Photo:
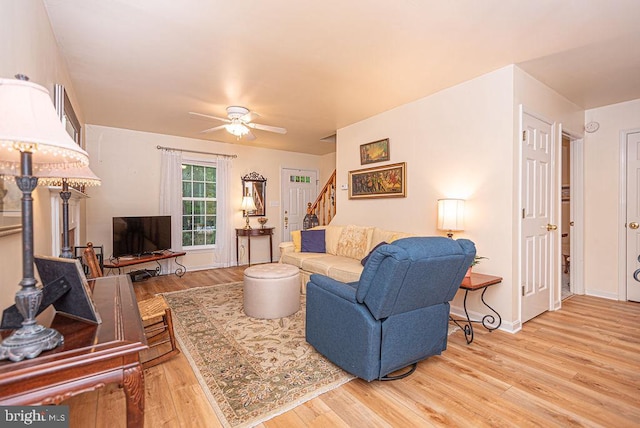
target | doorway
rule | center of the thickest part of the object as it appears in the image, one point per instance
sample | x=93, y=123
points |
x=565, y=222
x=299, y=187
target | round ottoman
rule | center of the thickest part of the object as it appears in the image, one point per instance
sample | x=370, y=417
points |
x=271, y=290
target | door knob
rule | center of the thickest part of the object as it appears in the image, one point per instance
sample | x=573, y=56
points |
x=551, y=227
x=570, y=223
x=633, y=225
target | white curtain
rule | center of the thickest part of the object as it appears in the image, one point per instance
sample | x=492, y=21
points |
x=225, y=238
x=171, y=194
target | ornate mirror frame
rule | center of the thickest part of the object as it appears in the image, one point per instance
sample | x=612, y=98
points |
x=255, y=185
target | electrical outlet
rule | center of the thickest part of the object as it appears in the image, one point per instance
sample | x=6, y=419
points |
x=344, y=186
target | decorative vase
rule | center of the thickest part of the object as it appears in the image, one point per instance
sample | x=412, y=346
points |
x=262, y=221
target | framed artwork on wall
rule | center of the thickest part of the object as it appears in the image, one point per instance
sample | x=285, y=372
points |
x=377, y=151
x=388, y=181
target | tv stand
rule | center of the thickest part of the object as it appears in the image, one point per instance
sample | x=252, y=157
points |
x=122, y=262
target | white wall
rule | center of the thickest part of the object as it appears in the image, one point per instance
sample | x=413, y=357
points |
x=602, y=184
x=29, y=47
x=129, y=165
x=457, y=143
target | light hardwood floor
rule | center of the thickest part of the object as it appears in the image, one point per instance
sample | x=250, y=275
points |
x=579, y=366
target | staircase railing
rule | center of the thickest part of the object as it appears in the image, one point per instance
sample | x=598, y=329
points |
x=325, y=205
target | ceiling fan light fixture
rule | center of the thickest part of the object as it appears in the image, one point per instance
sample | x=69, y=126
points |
x=237, y=129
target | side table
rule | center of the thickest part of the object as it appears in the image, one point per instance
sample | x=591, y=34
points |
x=478, y=281
x=91, y=356
x=263, y=231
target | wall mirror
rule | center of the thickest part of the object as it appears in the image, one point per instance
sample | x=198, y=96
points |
x=255, y=185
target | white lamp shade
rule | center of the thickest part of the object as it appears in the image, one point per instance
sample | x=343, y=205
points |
x=451, y=214
x=248, y=204
x=81, y=176
x=29, y=123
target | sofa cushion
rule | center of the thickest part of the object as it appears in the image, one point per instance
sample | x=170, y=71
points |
x=296, y=259
x=347, y=270
x=354, y=242
x=312, y=241
x=296, y=238
x=332, y=237
x=324, y=263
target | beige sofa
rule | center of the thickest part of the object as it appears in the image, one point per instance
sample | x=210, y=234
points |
x=346, y=246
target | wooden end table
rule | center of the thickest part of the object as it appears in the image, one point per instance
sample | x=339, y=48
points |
x=262, y=231
x=478, y=281
x=91, y=356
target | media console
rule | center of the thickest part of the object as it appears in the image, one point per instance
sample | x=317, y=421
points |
x=123, y=262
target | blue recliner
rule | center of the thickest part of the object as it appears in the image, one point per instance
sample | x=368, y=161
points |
x=396, y=315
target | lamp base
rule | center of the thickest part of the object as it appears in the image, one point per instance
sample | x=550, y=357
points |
x=247, y=226
x=29, y=341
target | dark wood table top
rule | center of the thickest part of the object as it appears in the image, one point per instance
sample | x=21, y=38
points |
x=91, y=355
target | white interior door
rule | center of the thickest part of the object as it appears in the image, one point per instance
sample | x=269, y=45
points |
x=633, y=217
x=299, y=187
x=539, y=230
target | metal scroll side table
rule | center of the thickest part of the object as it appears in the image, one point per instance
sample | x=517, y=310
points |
x=478, y=281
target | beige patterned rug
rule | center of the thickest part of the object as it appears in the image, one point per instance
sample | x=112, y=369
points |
x=251, y=370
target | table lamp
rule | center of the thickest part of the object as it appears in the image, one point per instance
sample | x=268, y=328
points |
x=247, y=205
x=31, y=136
x=451, y=215
x=64, y=177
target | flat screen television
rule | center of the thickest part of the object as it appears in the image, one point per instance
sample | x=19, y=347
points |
x=136, y=236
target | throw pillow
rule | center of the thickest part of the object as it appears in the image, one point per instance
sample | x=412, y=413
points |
x=354, y=241
x=313, y=241
x=296, y=238
x=364, y=261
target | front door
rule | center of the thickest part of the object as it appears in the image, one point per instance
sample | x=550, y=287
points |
x=299, y=187
x=539, y=227
x=633, y=217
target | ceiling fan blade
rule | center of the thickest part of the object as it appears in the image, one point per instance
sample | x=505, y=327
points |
x=267, y=128
x=251, y=116
x=206, y=116
x=217, y=128
x=250, y=136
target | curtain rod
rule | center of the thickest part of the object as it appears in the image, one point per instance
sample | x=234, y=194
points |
x=196, y=151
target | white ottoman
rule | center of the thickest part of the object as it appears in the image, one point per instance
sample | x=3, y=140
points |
x=271, y=290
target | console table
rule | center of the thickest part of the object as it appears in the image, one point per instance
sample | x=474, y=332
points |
x=478, y=281
x=91, y=356
x=123, y=262
x=263, y=231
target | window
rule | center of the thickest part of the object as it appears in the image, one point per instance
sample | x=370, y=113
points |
x=199, y=205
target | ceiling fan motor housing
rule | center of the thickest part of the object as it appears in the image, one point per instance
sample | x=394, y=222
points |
x=235, y=112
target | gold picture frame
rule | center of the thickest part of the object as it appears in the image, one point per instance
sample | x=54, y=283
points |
x=376, y=151
x=388, y=181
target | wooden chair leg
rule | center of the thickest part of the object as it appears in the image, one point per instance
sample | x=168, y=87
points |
x=168, y=322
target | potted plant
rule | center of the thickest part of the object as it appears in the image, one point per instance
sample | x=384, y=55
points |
x=475, y=261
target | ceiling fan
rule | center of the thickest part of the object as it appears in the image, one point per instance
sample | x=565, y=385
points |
x=239, y=123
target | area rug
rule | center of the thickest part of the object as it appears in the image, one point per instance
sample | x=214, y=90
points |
x=250, y=369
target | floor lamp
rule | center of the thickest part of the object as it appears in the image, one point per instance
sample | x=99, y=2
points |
x=66, y=177
x=31, y=136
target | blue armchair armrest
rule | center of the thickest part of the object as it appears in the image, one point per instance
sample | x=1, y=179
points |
x=346, y=291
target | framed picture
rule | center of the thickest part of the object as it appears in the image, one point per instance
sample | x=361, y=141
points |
x=566, y=193
x=388, y=181
x=378, y=151
x=78, y=302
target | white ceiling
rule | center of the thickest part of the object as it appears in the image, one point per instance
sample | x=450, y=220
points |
x=315, y=66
